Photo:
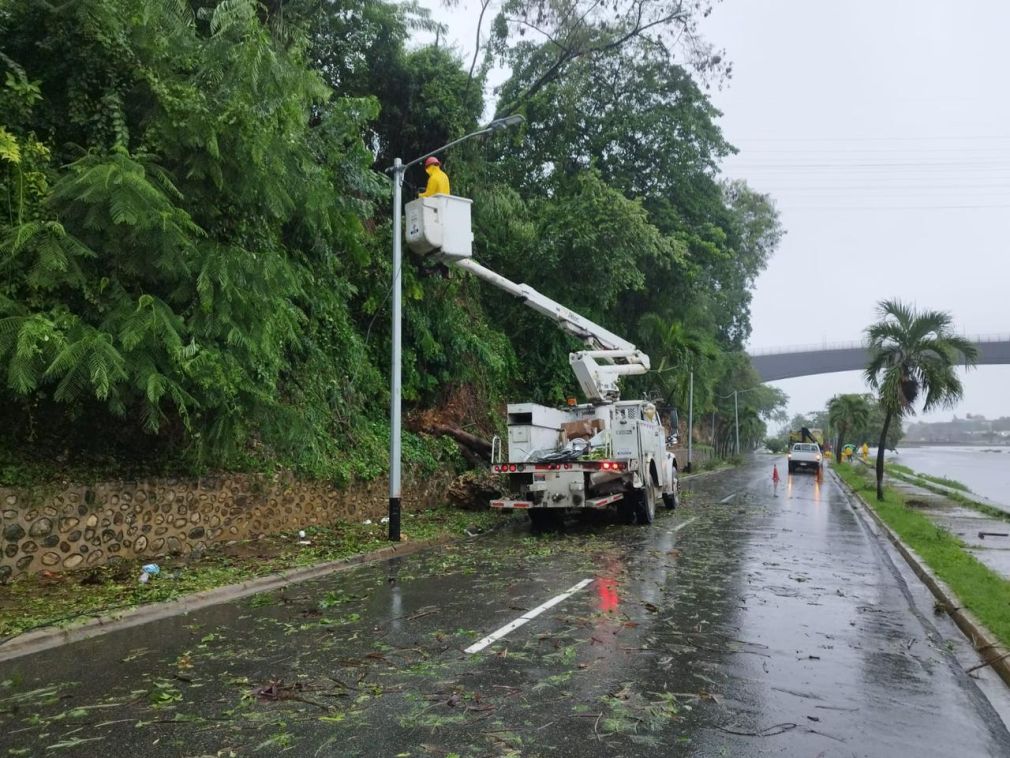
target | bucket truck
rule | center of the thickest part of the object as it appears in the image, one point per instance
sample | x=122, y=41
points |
x=605, y=453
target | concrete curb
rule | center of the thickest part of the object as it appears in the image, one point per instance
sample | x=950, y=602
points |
x=985, y=643
x=49, y=637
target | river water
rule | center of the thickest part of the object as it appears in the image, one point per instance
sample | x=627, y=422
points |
x=986, y=470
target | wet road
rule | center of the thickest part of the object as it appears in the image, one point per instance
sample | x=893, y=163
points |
x=742, y=624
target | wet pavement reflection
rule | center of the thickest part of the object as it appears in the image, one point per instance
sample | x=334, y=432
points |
x=742, y=624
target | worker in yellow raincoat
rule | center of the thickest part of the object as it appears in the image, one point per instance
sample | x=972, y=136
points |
x=438, y=180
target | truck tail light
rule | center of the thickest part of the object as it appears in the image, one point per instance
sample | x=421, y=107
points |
x=612, y=466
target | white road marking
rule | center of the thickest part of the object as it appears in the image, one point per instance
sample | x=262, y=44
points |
x=728, y=498
x=478, y=646
x=681, y=526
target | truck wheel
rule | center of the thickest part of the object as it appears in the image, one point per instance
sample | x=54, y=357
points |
x=545, y=519
x=645, y=505
x=670, y=500
x=792, y=468
x=626, y=509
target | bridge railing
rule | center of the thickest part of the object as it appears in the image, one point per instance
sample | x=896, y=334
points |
x=817, y=347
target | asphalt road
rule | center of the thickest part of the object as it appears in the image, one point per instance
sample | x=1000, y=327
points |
x=743, y=624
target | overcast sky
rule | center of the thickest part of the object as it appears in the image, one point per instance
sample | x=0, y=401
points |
x=882, y=130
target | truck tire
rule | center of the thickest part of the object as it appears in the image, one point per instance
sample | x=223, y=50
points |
x=545, y=519
x=626, y=508
x=670, y=500
x=645, y=505
x=792, y=468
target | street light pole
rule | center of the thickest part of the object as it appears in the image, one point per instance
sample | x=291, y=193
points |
x=395, y=363
x=736, y=419
x=398, y=169
x=690, y=418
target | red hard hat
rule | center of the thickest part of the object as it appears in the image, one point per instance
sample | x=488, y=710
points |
x=431, y=161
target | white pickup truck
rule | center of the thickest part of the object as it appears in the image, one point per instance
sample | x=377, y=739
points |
x=805, y=455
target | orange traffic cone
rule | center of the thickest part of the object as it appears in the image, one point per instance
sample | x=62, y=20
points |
x=775, y=473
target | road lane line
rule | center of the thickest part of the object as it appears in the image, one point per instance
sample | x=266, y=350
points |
x=729, y=497
x=497, y=635
x=681, y=526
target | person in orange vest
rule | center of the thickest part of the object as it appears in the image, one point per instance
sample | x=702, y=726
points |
x=438, y=180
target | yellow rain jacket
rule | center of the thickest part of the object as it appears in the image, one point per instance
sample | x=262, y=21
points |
x=438, y=182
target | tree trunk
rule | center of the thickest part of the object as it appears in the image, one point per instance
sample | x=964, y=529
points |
x=880, y=456
x=478, y=445
x=839, y=442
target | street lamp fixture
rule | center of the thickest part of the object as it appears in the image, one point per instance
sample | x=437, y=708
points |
x=398, y=169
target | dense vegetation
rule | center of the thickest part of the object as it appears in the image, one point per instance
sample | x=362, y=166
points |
x=195, y=223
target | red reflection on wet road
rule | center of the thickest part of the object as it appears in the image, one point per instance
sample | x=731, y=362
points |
x=606, y=589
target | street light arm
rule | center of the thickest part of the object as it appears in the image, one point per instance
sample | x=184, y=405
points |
x=740, y=392
x=497, y=125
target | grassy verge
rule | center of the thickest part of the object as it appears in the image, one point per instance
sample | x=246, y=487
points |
x=714, y=464
x=897, y=468
x=38, y=601
x=927, y=484
x=984, y=592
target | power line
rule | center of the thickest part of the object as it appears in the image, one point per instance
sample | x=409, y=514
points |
x=888, y=150
x=786, y=207
x=917, y=186
x=902, y=138
x=881, y=164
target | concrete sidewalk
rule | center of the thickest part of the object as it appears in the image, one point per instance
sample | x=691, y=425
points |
x=962, y=521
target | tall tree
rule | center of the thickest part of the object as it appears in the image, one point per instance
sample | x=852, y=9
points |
x=913, y=353
x=567, y=32
x=175, y=264
x=846, y=412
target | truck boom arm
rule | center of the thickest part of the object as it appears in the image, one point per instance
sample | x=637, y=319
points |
x=597, y=369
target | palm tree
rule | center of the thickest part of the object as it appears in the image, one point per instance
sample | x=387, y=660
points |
x=913, y=353
x=846, y=412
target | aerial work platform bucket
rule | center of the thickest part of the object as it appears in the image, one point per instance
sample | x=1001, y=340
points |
x=440, y=225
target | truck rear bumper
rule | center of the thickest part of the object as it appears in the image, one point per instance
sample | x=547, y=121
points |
x=598, y=502
x=511, y=504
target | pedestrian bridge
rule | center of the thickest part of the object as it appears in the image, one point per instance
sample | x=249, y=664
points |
x=809, y=360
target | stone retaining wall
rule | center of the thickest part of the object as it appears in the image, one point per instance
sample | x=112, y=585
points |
x=67, y=526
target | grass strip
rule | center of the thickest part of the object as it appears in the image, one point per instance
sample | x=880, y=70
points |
x=980, y=589
x=37, y=601
x=957, y=497
x=897, y=468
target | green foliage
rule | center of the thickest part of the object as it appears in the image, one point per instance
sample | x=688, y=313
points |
x=185, y=272
x=847, y=412
x=777, y=444
x=195, y=228
x=911, y=353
